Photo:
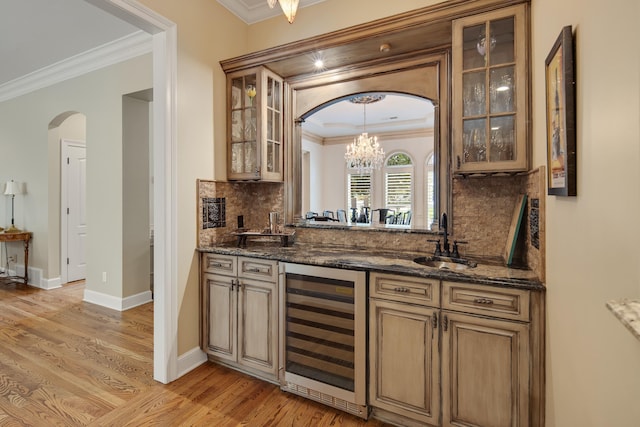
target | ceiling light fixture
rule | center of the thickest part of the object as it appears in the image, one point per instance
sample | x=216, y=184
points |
x=289, y=8
x=365, y=153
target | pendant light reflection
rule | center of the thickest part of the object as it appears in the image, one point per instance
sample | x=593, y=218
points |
x=289, y=8
x=365, y=153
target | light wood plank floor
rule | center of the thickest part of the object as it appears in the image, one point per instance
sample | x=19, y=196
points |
x=64, y=362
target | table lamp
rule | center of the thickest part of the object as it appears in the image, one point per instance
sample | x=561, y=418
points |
x=11, y=189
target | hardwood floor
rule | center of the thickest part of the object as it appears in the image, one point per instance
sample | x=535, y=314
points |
x=64, y=362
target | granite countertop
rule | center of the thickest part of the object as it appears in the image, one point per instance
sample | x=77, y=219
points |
x=628, y=312
x=383, y=261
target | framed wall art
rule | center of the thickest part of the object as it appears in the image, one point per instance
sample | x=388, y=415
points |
x=561, y=116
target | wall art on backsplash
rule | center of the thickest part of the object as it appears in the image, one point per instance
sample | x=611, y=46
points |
x=213, y=212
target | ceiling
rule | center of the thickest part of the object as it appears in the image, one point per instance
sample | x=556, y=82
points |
x=35, y=34
x=252, y=11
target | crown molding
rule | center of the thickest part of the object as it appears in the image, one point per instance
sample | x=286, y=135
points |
x=122, y=49
x=420, y=133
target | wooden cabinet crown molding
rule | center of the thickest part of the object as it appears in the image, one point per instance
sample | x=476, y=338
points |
x=415, y=30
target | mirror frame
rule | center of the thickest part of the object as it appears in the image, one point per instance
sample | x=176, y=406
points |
x=426, y=76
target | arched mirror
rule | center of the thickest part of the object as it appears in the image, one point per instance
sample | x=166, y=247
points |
x=395, y=186
x=409, y=187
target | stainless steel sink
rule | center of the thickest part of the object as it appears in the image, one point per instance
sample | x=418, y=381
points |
x=446, y=263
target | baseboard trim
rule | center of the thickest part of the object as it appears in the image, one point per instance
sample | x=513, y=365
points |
x=49, y=284
x=115, y=303
x=191, y=360
x=136, y=300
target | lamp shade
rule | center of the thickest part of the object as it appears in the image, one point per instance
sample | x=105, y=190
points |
x=11, y=188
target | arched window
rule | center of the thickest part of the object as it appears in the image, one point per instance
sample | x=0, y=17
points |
x=430, y=187
x=398, y=186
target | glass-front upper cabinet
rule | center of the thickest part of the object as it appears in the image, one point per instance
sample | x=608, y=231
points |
x=254, y=129
x=490, y=92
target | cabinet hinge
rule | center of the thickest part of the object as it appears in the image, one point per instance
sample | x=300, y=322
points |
x=67, y=211
x=434, y=320
x=67, y=160
x=67, y=261
x=445, y=323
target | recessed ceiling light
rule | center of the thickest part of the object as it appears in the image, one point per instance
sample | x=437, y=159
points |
x=318, y=63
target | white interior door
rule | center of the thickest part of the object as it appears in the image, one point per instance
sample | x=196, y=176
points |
x=74, y=163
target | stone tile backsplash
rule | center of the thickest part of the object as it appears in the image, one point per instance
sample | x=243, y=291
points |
x=251, y=200
x=482, y=213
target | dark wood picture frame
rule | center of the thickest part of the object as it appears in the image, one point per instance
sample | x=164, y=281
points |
x=561, y=116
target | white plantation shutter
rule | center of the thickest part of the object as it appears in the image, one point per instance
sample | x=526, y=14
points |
x=398, y=190
x=359, y=189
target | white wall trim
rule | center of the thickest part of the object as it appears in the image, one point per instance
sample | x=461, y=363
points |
x=191, y=360
x=103, y=300
x=115, y=303
x=136, y=300
x=49, y=284
x=127, y=47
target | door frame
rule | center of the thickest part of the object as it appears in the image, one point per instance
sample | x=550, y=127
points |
x=64, y=203
x=165, y=159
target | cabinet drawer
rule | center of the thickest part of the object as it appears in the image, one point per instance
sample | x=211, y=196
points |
x=260, y=269
x=412, y=290
x=486, y=300
x=219, y=264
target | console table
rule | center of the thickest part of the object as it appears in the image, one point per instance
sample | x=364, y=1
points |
x=23, y=236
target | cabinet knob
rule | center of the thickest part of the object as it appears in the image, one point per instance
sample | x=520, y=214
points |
x=485, y=301
x=402, y=290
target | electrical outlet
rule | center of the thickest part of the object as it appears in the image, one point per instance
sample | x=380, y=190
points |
x=104, y=277
x=12, y=258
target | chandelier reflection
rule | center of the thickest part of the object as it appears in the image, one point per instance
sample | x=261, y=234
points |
x=365, y=153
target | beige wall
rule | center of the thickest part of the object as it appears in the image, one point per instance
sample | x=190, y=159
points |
x=28, y=157
x=136, y=248
x=593, y=362
x=207, y=33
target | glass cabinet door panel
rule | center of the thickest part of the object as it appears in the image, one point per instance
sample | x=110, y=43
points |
x=237, y=157
x=503, y=143
x=254, y=125
x=502, y=90
x=490, y=108
x=250, y=89
x=237, y=129
x=472, y=56
x=474, y=140
x=270, y=161
x=277, y=90
x=276, y=157
x=277, y=126
x=474, y=91
x=250, y=122
x=501, y=33
x=250, y=158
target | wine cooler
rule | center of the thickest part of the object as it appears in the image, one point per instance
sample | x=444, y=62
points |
x=325, y=336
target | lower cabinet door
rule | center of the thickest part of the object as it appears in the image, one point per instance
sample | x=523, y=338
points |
x=404, y=362
x=258, y=325
x=485, y=372
x=222, y=316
